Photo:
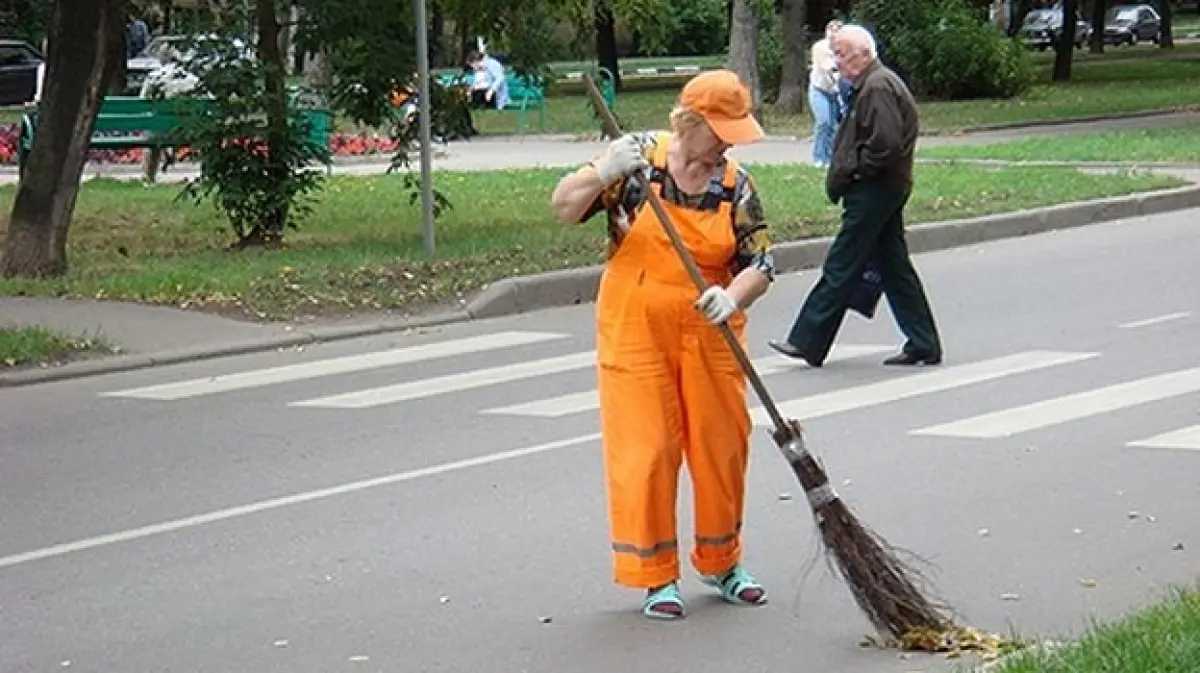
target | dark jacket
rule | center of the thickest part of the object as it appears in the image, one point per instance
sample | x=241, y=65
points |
x=877, y=140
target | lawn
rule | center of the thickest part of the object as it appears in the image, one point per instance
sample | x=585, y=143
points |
x=1100, y=87
x=362, y=249
x=1173, y=144
x=1165, y=638
x=27, y=346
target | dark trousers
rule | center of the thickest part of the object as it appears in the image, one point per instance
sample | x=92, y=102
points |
x=872, y=225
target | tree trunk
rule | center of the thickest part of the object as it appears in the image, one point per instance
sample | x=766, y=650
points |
x=1166, y=35
x=743, y=50
x=1099, y=7
x=271, y=229
x=793, y=79
x=606, y=42
x=77, y=65
x=1065, y=49
x=118, y=53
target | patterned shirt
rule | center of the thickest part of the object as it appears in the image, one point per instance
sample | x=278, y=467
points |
x=623, y=199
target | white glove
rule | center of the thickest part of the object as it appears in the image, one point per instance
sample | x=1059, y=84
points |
x=716, y=304
x=623, y=158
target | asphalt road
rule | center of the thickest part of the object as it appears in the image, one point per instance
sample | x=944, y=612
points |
x=428, y=503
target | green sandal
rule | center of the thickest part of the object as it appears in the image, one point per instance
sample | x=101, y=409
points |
x=664, y=603
x=738, y=587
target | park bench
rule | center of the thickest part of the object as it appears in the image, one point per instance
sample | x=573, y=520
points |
x=525, y=95
x=128, y=122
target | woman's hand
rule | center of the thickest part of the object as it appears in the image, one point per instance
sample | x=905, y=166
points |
x=576, y=192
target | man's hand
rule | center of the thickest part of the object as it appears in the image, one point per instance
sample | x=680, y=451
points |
x=623, y=158
x=717, y=304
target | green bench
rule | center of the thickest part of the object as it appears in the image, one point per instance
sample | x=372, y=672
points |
x=148, y=124
x=525, y=95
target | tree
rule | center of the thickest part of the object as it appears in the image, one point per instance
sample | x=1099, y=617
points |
x=1166, y=35
x=793, y=80
x=1064, y=51
x=1096, y=44
x=79, y=67
x=743, y=49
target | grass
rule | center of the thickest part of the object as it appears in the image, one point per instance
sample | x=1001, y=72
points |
x=1175, y=144
x=1121, y=80
x=1100, y=88
x=1165, y=638
x=362, y=250
x=23, y=346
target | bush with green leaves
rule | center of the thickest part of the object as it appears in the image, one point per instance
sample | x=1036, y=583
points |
x=947, y=50
x=256, y=160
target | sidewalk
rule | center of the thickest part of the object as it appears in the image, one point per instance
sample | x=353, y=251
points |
x=562, y=151
x=151, y=335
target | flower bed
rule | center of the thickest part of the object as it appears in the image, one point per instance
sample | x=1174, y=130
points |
x=341, y=144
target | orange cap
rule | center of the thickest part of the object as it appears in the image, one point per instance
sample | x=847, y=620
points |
x=720, y=97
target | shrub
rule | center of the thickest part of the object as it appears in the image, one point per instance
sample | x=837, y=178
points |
x=946, y=50
x=694, y=28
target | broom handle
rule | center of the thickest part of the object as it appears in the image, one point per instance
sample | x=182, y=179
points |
x=612, y=129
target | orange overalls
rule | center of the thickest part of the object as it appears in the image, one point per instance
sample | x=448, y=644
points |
x=670, y=389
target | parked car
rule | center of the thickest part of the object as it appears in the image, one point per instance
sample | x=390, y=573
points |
x=1129, y=24
x=1041, y=28
x=22, y=69
x=160, y=53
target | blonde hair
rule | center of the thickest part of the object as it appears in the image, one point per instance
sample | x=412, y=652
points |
x=684, y=120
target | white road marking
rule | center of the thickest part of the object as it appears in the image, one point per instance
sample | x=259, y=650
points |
x=284, y=501
x=451, y=383
x=589, y=400
x=209, y=385
x=1009, y=422
x=1184, y=438
x=932, y=380
x=1154, y=321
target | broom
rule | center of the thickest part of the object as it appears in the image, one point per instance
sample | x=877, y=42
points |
x=881, y=583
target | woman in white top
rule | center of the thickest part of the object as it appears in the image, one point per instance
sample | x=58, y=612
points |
x=822, y=95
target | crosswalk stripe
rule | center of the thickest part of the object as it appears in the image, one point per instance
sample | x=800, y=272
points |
x=913, y=384
x=589, y=400
x=209, y=385
x=1045, y=413
x=452, y=383
x=1184, y=438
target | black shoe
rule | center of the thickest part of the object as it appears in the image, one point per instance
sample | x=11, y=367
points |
x=792, y=352
x=910, y=359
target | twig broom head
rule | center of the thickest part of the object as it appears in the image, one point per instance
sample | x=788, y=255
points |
x=882, y=584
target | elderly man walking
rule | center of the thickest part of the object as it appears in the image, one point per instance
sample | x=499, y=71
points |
x=872, y=176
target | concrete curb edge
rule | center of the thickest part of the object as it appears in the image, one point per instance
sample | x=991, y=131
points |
x=566, y=287
x=123, y=363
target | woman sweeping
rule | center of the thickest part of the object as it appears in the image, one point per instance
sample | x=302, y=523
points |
x=670, y=389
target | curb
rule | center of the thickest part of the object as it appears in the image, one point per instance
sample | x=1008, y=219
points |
x=124, y=363
x=576, y=286
x=1064, y=121
x=567, y=287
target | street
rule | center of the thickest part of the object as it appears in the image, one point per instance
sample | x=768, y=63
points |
x=434, y=501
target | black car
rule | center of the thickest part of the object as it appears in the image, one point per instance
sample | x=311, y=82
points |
x=21, y=68
x=1043, y=26
x=1129, y=24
